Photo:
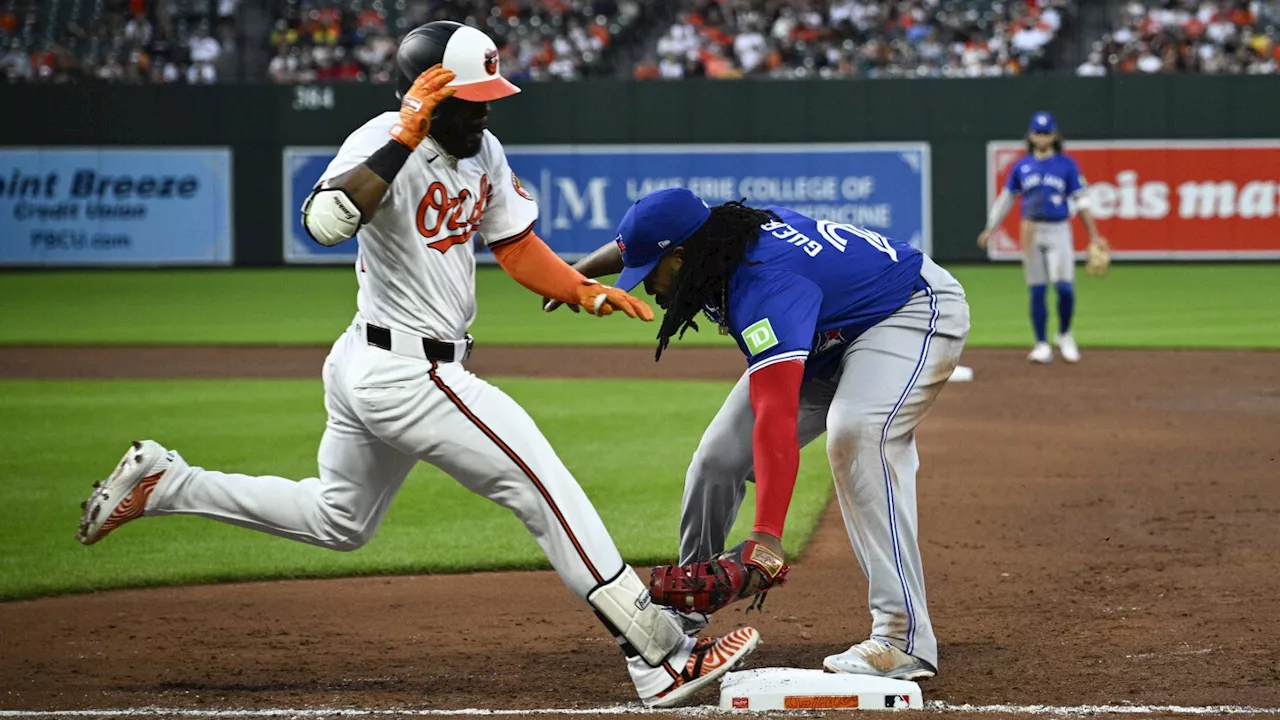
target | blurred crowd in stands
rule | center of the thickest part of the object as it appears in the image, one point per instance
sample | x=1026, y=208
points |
x=1202, y=36
x=854, y=38
x=132, y=41
x=318, y=41
x=538, y=39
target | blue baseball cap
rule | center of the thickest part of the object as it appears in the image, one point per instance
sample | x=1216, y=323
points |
x=652, y=227
x=1043, y=122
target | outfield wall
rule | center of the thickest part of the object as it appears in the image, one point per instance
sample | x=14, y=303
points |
x=960, y=124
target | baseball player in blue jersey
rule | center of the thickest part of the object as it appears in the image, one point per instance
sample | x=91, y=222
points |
x=845, y=331
x=1050, y=185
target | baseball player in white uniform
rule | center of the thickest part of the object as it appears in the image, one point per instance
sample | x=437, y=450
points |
x=418, y=185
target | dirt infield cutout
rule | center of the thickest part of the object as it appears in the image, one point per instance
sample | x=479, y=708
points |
x=1098, y=539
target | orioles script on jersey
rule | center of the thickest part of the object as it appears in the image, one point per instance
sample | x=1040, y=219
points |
x=438, y=211
x=416, y=256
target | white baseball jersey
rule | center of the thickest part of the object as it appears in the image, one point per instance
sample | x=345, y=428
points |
x=417, y=264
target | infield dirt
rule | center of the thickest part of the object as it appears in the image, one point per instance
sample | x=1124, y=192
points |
x=1099, y=533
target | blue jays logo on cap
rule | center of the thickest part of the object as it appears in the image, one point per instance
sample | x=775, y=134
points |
x=652, y=227
x=1042, y=122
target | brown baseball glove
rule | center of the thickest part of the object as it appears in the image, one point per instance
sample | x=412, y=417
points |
x=749, y=569
x=1099, y=259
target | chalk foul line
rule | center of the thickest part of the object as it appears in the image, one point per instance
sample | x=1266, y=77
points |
x=1087, y=710
x=634, y=709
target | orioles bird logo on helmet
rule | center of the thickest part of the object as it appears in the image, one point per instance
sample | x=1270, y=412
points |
x=491, y=62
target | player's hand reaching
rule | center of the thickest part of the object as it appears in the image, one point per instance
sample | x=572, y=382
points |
x=419, y=103
x=601, y=300
x=983, y=237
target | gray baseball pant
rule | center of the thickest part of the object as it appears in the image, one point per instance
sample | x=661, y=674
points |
x=888, y=378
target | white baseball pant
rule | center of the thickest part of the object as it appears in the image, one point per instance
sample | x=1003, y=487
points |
x=387, y=412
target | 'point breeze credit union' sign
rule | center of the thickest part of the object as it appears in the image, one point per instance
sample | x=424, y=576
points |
x=115, y=206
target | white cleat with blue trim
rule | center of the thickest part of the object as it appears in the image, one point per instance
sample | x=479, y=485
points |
x=879, y=658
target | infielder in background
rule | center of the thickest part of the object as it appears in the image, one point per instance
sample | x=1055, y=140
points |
x=418, y=184
x=1050, y=185
x=845, y=331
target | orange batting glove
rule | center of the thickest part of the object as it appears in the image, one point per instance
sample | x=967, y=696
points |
x=419, y=103
x=602, y=300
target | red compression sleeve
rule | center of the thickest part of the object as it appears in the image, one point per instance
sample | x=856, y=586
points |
x=775, y=398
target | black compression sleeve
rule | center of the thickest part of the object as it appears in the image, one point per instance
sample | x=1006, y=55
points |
x=388, y=160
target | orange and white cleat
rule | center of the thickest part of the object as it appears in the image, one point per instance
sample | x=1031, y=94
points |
x=709, y=660
x=123, y=496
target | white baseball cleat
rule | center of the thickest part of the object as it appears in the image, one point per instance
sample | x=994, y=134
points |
x=879, y=658
x=1041, y=353
x=1068, y=349
x=123, y=496
x=710, y=659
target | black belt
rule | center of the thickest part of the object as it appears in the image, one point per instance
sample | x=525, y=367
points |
x=380, y=337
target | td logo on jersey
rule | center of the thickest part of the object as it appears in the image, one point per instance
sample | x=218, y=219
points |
x=759, y=337
x=441, y=215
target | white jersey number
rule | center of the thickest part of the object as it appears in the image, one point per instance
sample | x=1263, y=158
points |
x=832, y=233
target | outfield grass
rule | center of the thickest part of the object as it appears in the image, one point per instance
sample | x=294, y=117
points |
x=1229, y=306
x=62, y=436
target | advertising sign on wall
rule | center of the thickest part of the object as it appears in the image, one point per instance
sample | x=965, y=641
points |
x=583, y=190
x=115, y=206
x=1165, y=199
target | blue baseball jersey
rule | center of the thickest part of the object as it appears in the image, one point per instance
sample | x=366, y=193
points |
x=809, y=287
x=1045, y=186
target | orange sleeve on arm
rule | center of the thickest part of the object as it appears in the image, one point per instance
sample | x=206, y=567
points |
x=528, y=259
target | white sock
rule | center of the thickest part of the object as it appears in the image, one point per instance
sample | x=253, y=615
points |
x=650, y=681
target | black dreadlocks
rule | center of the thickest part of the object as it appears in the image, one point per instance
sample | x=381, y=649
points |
x=710, y=256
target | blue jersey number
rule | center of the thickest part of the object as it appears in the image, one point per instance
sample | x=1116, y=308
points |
x=837, y=234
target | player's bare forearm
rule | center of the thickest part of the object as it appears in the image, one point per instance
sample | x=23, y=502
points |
x=604, y=260
x=364, y=187
x=337, y=208
x=367, y=183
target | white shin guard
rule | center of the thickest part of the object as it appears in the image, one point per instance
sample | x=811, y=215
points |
x=625, y=605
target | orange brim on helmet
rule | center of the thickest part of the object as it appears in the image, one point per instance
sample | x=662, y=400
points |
x=485, y=90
